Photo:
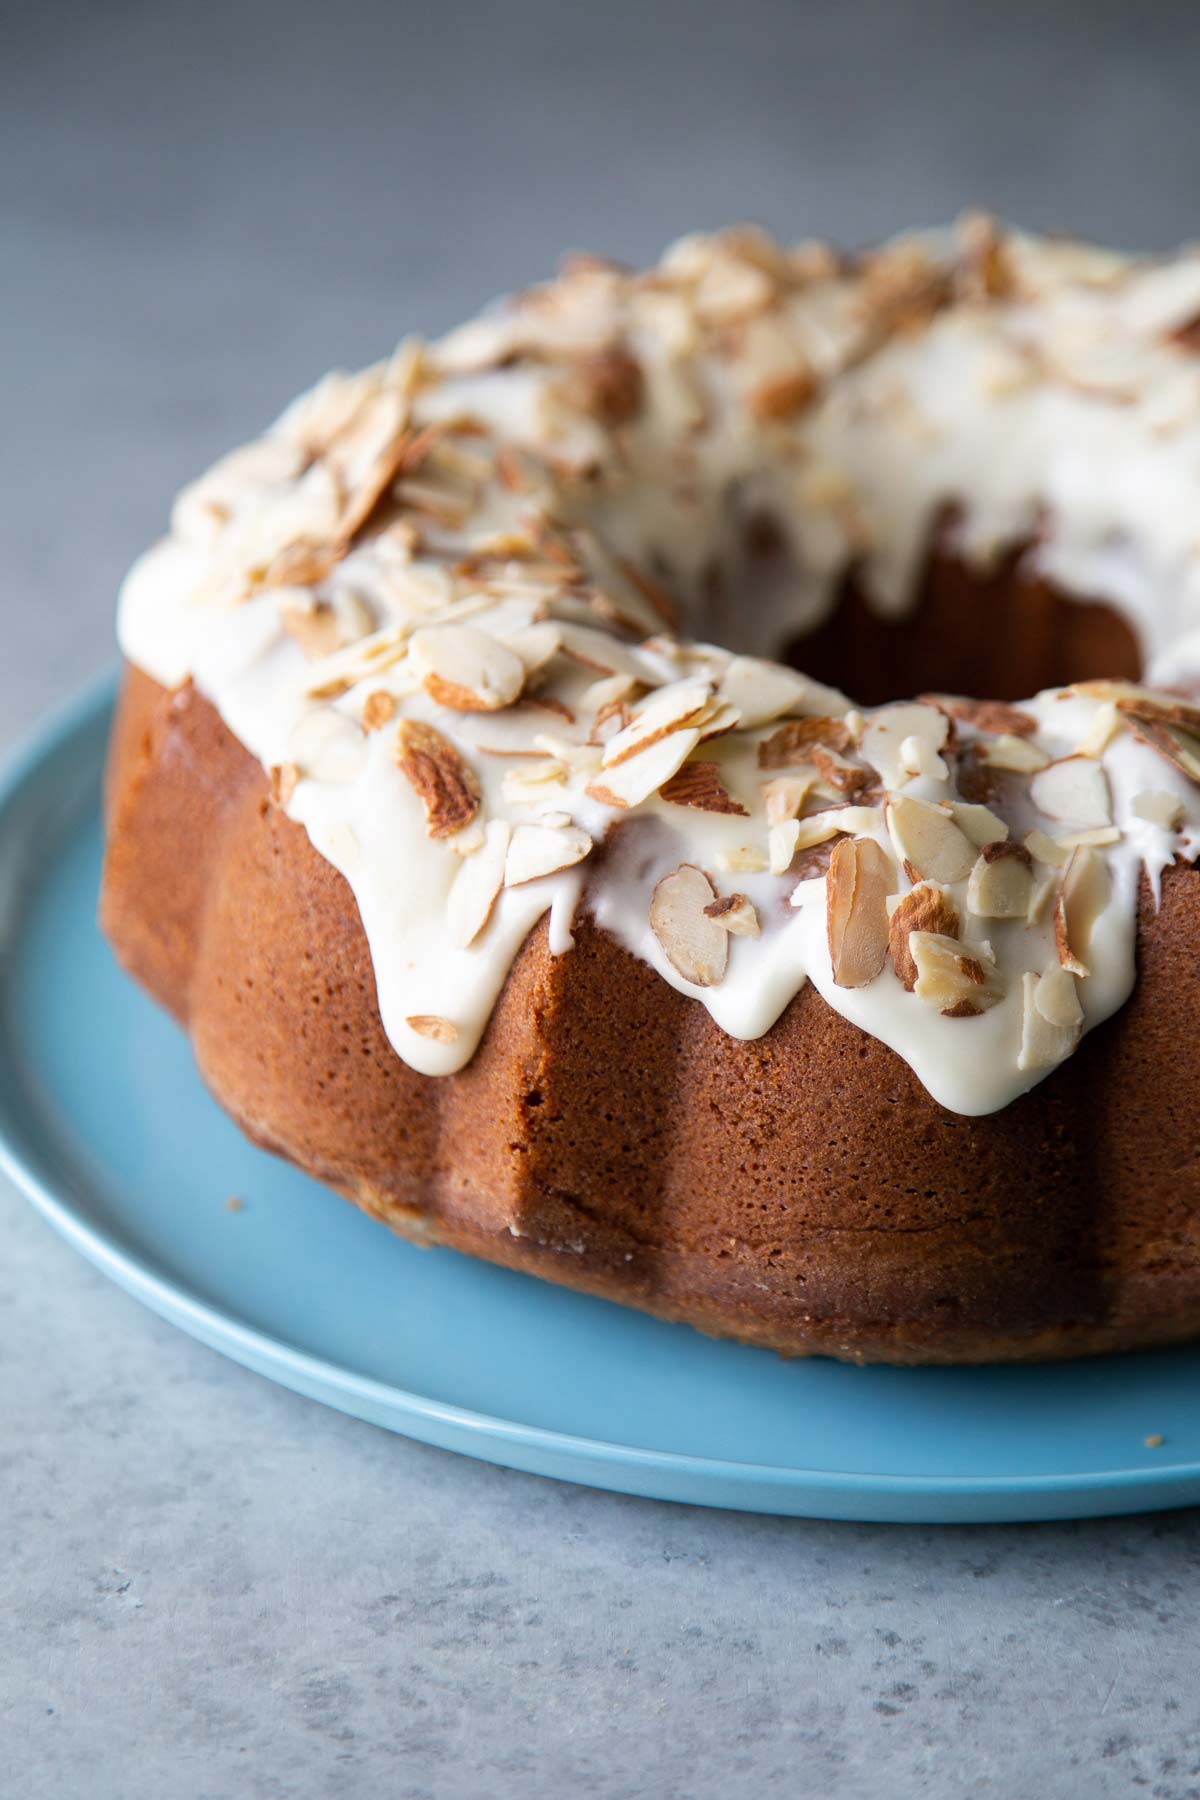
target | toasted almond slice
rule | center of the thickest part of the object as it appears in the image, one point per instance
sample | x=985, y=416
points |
x=918, y=755
x=733, y=912
x=1106, y=722
x=784, y=796
x=430, y=1025
x=608, y=692
x=536, y=644
x=928, y=841
x=668, y=710
x=379, y=709
x=696, y=946
x=1158, y=808
x=845, y=776
x=781, y=846
x=716, y=719
x=537, y=850
x=526, y=784
x=1001, y=882
x=1160, y=709
x=885, y=740
x=783, y=396
x=699, y=784
x=1074, y=790
x=283, y=778
x=1047, y=850
x=959, y=979
x=926, y=907
x=1082, y=897
x=446, y=786
x=1163, y=728
x=1042, y=891
x=1014, y=753
x=465, y=668
x=609, y=386
x=1051, y=1020
x=314, y=626
x=992, y=716
x=637, y=777
x=763, y=691
x=475, y=887
x=796, y=741
x=1094, y=837
x=856, y=921
x=979, y=823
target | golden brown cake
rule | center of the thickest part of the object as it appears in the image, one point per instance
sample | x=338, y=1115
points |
x=547, y=932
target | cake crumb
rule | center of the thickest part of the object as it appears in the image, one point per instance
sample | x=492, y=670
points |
x=234, y=1203
x=1153, y=1441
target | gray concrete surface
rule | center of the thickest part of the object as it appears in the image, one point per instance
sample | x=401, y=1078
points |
x=209, y=1587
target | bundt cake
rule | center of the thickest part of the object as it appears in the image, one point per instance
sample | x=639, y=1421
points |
x=543, y=928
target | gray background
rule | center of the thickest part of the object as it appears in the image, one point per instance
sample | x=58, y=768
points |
x=209, y=1587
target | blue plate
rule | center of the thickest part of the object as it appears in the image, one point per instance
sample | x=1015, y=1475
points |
x=106, y=1126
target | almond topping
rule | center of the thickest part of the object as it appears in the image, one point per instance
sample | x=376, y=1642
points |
x=475, y=887
x=784, y=796
x=959, y=980
x=846, y=777
x=992, y=716
x=314, y=626
x=429, y=1025
x=379, y=709
x=445, y=785
x=284, y=777
x=926, y=907
x=1158, y=808
x=1081, y=899
x=1051, y=1021
x=1014, y=753
x=610, y=387
x=699, y=784
x=641, y=775
x=979, y=823
x=927, y=839
x=1074, y=790
x=466, y=669
x=860, y=874
x=1170, y=727
x=667, y=710
x=1047, y=850
x=736, y=914
x=1001, y=882
x=762, y=691
x=796, y=741
x=538, y=850
x=886, y=746
x=784, y=396
x=696, y=946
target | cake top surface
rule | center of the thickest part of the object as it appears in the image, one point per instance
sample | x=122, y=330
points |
x=439, y=601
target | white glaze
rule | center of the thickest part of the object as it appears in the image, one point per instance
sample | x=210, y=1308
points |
x=1062, y=411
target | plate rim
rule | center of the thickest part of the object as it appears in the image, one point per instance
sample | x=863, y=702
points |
x=1127, y=1488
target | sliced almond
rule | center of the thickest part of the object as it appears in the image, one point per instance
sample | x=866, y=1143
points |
x=1001, y=882
x=796, y=741
x=1105, y=724
x=886, y=740
x=958, y=979
x=283, y=779
x=992, y=716
x=699, y=784
x=979, y=823
x=1047, y=850
x=696, y=946
x=379, y=709
x=1051, y=1020
x=609, y=386
x=784, y=796
x=1082, y=897
x=856, y=921
x=536, y=644
x=763, y=691
x=781, y=846
x=733, y=912
x=845, y=776
x=1074, y=790
x=1014, y=753
x=475, y=887
x=466, y=669
x=430, y=1025
x=1095, y=837
x=668, y=709
x=446, y=786
x=314, y=626
x=926, y=907
x=783, y=396
x=1170, y=727
x=1158, y=808
x=931, y=845
x=637, y=777
x=536, y=850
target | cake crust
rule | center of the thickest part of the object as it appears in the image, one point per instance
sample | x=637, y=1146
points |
x=801, y=1191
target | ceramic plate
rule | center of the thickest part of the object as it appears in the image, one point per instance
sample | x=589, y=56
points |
x=106, y=1126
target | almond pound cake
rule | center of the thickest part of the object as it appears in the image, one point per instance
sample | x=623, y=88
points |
x=495, y=894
